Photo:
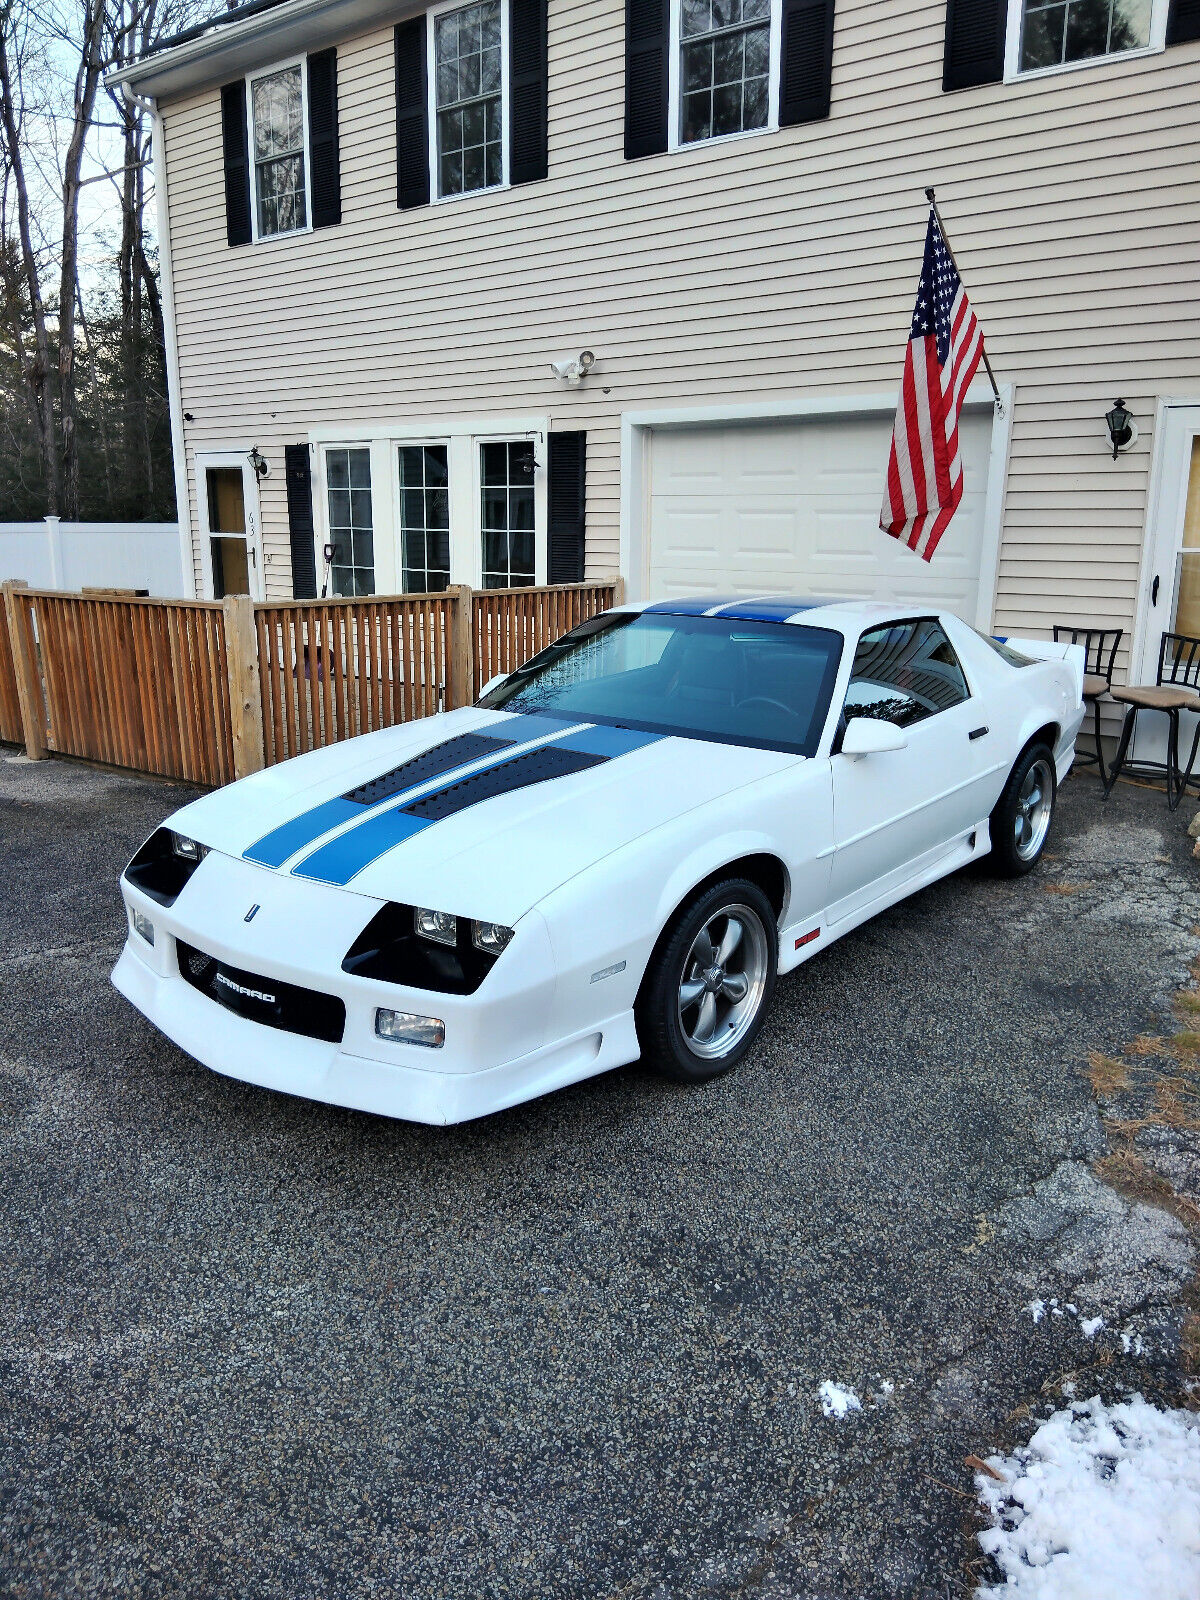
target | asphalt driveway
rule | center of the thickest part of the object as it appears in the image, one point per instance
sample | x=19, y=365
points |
x=257, y=1347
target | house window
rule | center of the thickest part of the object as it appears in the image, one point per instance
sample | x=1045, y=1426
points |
x=424, y=517
x=506, y=472
x=468, y=46
x=1044, y=34
x=351, y=521
x=277, y=119
x=725, y=67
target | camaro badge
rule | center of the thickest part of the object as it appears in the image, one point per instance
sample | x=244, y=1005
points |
x=250, y=994
x=251, y=914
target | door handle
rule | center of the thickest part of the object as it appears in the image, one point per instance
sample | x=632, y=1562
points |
x=1154, y=590
x=977, y=733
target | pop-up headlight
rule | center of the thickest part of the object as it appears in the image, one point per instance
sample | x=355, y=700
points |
x=439, y=926
x=164, y=864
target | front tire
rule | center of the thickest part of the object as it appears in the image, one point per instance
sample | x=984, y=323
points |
x=709, y=983
x=1021, y=820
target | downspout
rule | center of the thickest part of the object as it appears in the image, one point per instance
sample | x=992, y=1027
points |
x=171, y=349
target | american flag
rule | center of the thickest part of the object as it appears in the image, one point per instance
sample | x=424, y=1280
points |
x=925, y=475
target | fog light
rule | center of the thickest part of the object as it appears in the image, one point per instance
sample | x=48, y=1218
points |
x=402, y=1027
x=142, y=924
x=188, y=849
x=490, y=937
x=439, y=926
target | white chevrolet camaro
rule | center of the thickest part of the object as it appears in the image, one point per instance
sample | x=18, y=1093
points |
x=613, y=854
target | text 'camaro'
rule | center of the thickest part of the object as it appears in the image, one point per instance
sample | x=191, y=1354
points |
x=613, y=854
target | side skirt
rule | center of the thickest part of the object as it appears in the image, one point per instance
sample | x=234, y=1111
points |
x=829, y=928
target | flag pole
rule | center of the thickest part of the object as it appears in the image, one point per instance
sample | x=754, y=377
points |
x=930, y=195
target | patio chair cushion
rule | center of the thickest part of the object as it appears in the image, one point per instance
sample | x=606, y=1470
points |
x=1094, y=685
x=1158, y=697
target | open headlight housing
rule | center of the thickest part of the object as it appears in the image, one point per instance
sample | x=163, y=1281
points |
x=426, y=949
x=164, y=865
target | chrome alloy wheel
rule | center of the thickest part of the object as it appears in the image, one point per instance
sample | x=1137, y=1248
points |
x=1034, y=804
x=722, y=982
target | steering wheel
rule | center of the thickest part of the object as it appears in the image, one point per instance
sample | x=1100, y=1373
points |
x=766, y=700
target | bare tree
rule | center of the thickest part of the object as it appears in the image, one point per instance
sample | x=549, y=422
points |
x=92, y=62
x=25, y=289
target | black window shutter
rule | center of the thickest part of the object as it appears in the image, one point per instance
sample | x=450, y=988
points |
x=806, y=68
x=527, y=91
x=647, y=51
x=412, y=115
x=298, y=478
x=974, y=43
x=567, y=462
x=1183, y=21
x=325, y=179
x=237, y=162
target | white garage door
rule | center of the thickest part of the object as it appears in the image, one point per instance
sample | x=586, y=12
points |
x=793, y=508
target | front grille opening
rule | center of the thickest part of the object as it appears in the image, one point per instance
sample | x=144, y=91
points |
x=539, y=766
x=286, y=1006
x=432, y=763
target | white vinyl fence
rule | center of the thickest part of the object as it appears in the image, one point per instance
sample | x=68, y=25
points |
x=93, y=555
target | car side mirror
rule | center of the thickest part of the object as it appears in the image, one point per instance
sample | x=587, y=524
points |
x=868, y=736
x=493, y=683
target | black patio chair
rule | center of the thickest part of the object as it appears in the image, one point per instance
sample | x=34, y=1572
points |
x=1099, y=652
x=1176, y=689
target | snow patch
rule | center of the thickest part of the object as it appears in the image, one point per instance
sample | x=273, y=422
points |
x=837, y=1400
x=1089, y=1327
x=1102, y=1504
x=1036, y=1309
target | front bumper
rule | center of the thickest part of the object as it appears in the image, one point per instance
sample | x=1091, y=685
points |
x=499, y=1046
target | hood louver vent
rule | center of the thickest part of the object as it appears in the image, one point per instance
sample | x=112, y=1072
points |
x=431, y=764
x=539, y=766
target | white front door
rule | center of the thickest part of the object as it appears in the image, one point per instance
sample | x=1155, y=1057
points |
x=230, y=530
x=897, y=812
x=1170, y=595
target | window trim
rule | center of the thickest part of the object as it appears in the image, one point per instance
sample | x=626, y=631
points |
x=675, y=140
x=541, y=533
x=436, y=198
x=1012, y=46
x=301, y=64
x=462, y=437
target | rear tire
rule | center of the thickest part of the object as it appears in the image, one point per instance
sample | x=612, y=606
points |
x=709, y=983
x=1021, y=820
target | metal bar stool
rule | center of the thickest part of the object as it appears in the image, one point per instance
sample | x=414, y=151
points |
x=1099, y=651
x=1177, y=689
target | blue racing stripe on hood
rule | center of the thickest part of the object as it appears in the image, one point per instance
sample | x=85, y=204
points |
x=338, y=861
x=273, y=849
x=344, y=857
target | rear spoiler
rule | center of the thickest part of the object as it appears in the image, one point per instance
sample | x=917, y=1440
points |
x=1049, y=650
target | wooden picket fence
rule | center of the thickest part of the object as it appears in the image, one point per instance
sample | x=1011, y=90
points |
x=206, y=691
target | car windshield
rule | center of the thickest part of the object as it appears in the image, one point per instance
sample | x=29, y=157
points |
x=765, y=684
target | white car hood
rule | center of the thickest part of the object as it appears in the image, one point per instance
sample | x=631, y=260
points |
x=497, y=858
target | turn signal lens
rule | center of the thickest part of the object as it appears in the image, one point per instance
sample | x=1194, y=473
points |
x=142, y=924
x=188, y=849
x=403, y=1027
x=490, y=937
x=439, y=926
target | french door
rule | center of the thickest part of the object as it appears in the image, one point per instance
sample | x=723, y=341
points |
x=1170, y=595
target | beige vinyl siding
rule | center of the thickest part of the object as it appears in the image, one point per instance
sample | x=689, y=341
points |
x=781, y=264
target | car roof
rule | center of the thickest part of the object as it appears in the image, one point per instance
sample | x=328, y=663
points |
x=847, y=616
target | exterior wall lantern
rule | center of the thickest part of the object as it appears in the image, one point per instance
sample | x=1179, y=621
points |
x=262, y=467
x=1121, y=430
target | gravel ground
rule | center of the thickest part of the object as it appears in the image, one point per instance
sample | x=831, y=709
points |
x=257, y=1347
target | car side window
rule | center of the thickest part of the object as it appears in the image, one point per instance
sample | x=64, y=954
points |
x=904, y=673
